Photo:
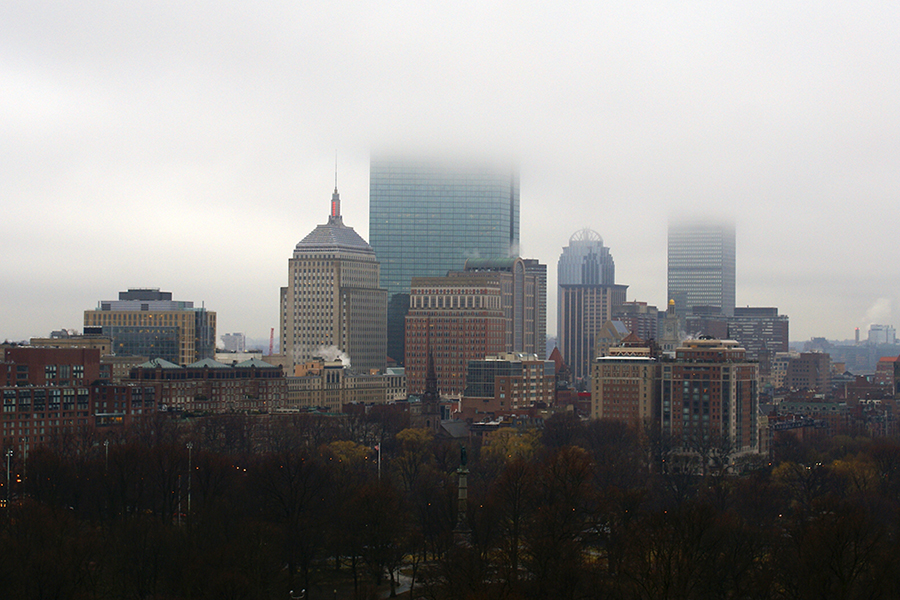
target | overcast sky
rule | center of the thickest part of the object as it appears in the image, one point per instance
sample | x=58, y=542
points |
x=190, y=145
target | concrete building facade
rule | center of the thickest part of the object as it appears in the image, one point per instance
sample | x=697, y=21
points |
x=329, y=386
x=333, y=301
x=625, y=386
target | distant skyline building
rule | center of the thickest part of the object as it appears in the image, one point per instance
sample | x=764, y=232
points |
x=427, y=217
x=586, y=261
x=882, y=334
x=234, y=342
x=701, y=266
x=333, y=303
x=147, y=322
x=587, y=298
x=640, y=318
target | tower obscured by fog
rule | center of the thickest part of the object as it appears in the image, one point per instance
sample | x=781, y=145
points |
x=586, y=261
x=588, y=296
x=701, y=266
x=427, y=218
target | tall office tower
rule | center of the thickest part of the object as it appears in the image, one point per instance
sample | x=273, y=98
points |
x=147, y=322
x=701, y=266
x=709, y=397
x=588, y=295
x=428, y=217
x=586, y=261
x=333, y=300
x=451, y=321
x=524, y=298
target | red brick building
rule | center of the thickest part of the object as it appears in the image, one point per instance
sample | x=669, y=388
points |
x=52, y=366
x=809, y=371
x=49, y=391
x=887, y=373
x=455, y=320
x=709, y=395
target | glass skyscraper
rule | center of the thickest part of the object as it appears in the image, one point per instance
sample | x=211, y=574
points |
x=588, y=295
x=701, y=266
x=428, y=217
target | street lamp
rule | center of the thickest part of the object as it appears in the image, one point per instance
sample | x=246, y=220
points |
x=190, y=446
x=106, y=445
x=8, y=456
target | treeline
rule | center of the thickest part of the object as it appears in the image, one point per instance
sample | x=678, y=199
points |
x=255, y=509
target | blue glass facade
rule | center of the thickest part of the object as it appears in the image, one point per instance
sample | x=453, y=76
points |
x=427, y=218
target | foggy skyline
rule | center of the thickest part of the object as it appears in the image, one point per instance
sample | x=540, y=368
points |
x=189, y=147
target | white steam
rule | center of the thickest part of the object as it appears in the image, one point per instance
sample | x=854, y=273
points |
x=332, y=353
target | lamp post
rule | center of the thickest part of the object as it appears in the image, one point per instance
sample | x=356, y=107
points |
x=190, y=446
x=9, y=454
x=106, y=446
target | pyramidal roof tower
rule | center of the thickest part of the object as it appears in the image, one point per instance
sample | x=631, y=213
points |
x=333, y=236
x=333, y=299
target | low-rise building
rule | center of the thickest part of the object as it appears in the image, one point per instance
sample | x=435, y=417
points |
x=210, y=386
x=329, y=385
x=47, y=392
x=504, y=383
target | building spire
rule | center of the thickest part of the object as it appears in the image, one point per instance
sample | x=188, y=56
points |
x=335, y=198
x=336, y=204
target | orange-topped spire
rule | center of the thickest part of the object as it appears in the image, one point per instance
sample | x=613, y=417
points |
x=335, y=204
x=335, y=197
